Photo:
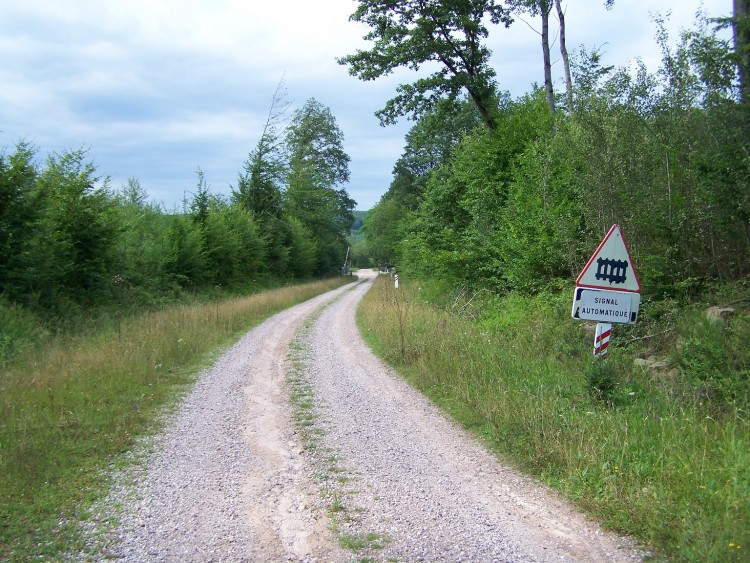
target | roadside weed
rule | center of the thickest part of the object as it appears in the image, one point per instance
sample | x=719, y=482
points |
x=632, y=447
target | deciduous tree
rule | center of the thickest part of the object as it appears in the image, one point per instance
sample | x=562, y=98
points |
x=318, y=168
x=414, y=33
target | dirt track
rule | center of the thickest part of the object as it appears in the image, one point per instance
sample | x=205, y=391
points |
x=229, y=479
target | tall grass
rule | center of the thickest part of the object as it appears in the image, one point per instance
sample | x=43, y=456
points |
x=649, y=459
x=68, y=410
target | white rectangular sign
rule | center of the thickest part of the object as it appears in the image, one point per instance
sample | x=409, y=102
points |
x=605, y=306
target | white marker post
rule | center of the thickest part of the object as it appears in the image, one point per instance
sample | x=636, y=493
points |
x=396, y=280
x=601, y=340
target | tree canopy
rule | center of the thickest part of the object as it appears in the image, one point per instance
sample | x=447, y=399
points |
x=414, y=33
x=516, y=207
x=318, y=167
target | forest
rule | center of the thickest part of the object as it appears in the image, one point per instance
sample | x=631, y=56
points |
x=69, y=243
x=515, y=199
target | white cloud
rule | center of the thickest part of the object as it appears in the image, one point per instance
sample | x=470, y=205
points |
x=158, y=88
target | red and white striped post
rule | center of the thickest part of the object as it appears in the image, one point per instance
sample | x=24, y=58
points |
x=602, y=339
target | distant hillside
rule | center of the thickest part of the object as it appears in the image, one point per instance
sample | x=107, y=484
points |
x=359, y=218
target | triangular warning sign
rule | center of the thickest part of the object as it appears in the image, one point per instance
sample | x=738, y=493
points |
x=611, y=266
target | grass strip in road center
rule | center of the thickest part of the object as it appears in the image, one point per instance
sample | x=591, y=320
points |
x=336, y=482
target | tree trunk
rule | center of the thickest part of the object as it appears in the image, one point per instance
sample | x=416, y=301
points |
x=565, y=60
x=483, y=104
x=741, y=33
x=545, y=7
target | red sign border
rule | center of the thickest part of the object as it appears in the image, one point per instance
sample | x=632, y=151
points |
x=596, y=253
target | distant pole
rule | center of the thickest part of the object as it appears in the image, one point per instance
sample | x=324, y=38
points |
x=396, y=280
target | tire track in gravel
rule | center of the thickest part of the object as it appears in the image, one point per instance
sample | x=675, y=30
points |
x=229, y=479
x=226, y=480
x=419, y=481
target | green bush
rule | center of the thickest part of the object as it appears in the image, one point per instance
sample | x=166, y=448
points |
x=715, y=360
x=19, y=331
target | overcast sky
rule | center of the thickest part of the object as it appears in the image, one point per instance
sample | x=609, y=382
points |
x=154, y=89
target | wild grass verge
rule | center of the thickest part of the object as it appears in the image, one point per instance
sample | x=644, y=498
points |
x=69, y=409
x=654, y=453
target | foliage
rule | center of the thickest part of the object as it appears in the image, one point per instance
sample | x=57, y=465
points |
x=20, y=331
x=318, y=165
x=412, y=34
x=430, y=143
x=259, y=184
x=715, y=361
x=314, y=141
x=456, y=231
x=522, y=207
x=71, y=248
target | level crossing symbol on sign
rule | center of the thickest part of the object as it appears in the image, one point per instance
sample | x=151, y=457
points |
x=611, y=266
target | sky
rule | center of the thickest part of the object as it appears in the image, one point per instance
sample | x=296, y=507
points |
x=156, y=89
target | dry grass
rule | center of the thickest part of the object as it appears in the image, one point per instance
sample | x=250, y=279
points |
x=69, y=409
x=645, y=461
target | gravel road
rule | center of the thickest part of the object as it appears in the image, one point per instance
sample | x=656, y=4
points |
x=386, y=476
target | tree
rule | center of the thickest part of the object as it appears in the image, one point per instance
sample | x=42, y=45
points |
x=565, y=58
x=317, y=168
x=18, y=209
x=79, y=224
x=741, y=36
x=259, y=185
x=199, y=205
x=133, y=194
x=412, y=33
x=313, y=138
x=541, y=8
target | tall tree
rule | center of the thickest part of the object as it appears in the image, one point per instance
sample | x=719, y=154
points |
x=541, y=8
x=411, y=33
x=259, y=185
x=565, y=58
x=741, y=35
x=318, y=168
x=545, y=7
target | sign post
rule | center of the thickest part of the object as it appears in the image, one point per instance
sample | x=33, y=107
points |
x=396, y=280
x=601, y=340
x=607, y=290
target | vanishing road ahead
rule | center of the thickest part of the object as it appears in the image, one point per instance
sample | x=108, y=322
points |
x=385, y=477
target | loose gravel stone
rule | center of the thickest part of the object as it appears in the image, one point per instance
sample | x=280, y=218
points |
x=232, y=478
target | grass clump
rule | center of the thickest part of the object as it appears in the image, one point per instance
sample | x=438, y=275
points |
x=661, y=453
x=69, y=408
